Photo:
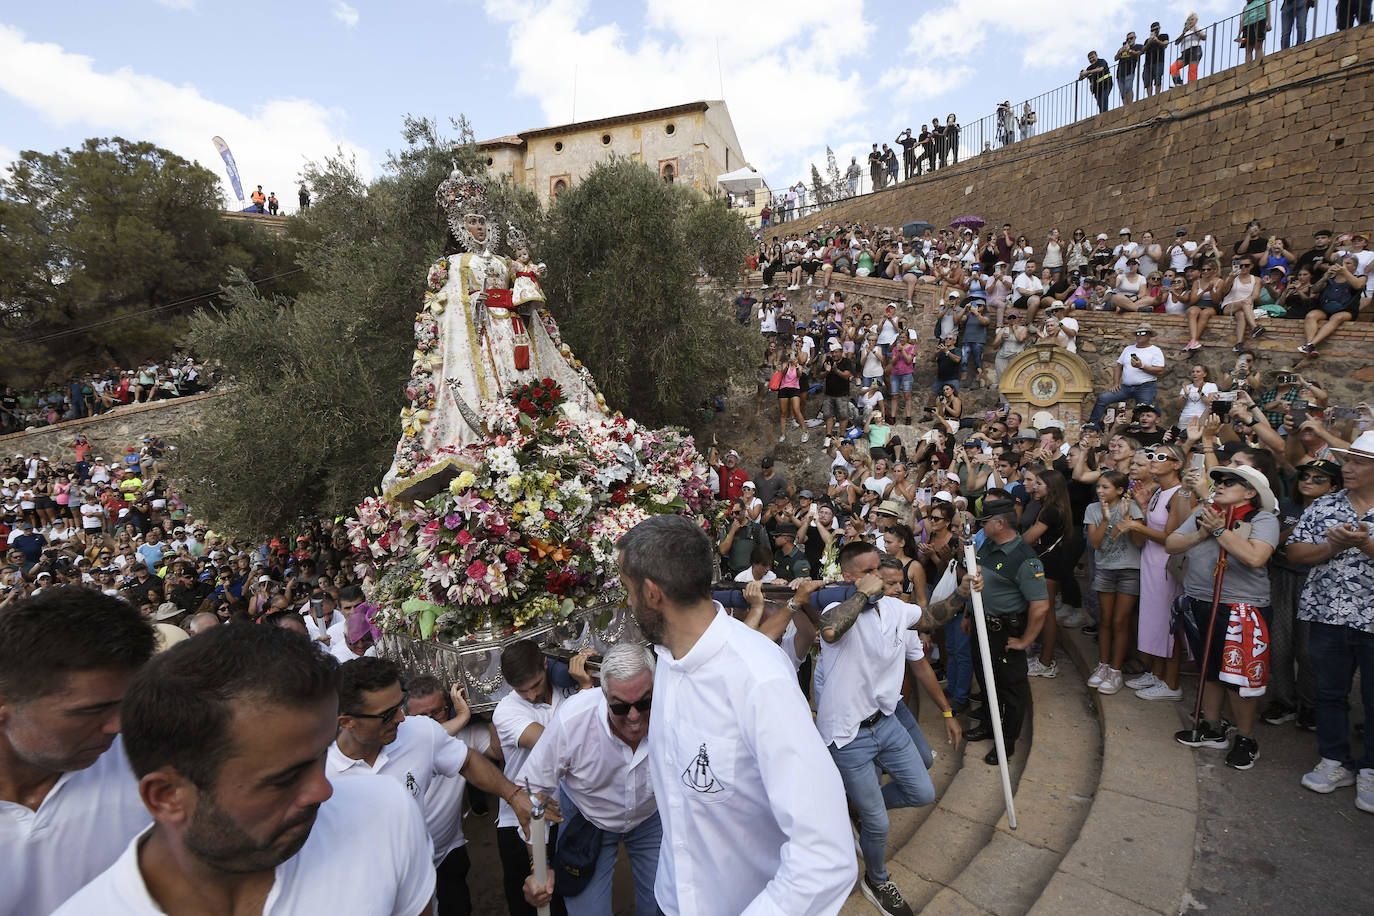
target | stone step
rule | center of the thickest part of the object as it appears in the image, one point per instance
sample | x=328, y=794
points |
x=1135, y=849
x=963, y=858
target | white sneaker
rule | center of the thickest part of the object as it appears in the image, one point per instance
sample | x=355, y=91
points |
x=1328, y=776
x=827, y=442
x=810, y=280
x=1160, y=691
x=1096, y=677
x=1075, y=618
x=1111, y=682
x=805, y=437
x=795, y=424
x=782, y=438
x=1035, y=669
x=1142, y=681
x=814, y=422
x=1364, y=792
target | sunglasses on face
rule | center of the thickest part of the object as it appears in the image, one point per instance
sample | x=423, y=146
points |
x=386, y=715
x=1314, y=477
x=1228, y=481
x=1158, y=456
x=643, y=704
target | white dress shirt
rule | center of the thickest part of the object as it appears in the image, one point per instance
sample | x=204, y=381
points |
x=607, y=781
x=511, y=717
x=443, y=802
x=367, y=853
x=48, y=854
x=862, y=670
x=421, y=751
x=753, y=809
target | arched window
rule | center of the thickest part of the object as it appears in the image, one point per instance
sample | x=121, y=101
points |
x=668, y=174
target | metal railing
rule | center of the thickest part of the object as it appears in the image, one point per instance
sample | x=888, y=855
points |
x=1075, y=101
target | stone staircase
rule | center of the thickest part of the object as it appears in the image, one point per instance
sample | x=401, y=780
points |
x=1105, y=801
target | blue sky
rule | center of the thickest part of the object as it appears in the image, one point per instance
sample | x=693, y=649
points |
x=289, y=81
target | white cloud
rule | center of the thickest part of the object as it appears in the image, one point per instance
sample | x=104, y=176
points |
x=775, y=57
x=346, y=14
x=270, y=143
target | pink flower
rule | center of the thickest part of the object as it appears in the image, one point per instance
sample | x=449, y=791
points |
x=512, y=557
x=453, y=521
x=464, y=537
x=478, y=570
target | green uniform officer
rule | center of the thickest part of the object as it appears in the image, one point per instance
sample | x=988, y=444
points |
x=789, y=560
x=1015, y=601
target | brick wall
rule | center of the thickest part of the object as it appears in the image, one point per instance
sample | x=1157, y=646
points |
x=1279, y=140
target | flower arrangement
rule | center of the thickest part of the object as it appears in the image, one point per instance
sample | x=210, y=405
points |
x=526, y=533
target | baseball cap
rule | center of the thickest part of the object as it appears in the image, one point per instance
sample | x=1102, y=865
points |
x=766, y=461
x=747, y=485
x=732, y=454
x=805, y=494
x=1125, y=230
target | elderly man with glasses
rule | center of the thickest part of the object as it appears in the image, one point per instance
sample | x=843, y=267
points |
x=1135, y=374
x=594, y=755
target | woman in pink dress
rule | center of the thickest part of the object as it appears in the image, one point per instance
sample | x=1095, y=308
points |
x=1166, y=506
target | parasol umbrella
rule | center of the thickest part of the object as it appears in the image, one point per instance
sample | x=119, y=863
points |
x=969, y=222
x=914, y=230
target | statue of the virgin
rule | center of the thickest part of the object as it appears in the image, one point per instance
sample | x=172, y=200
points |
x=475, y=341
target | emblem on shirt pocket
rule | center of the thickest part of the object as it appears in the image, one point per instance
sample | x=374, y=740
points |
x=709, y=772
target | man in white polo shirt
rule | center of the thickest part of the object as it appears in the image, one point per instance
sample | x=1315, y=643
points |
x=376, y=737
x=228, y=734
x=864, y=642
x=68, y=801
x=594, y=749
x=751, y=804
x=1135, y=374
x=520, y=719
x=443, y=801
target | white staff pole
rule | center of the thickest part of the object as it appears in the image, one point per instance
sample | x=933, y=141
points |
x=989, y=685
x=541, y=864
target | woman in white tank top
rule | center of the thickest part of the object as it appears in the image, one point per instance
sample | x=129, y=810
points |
x=1239, y=294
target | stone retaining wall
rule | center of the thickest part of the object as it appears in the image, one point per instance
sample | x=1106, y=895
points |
x=1279, y=140
x=111, y=433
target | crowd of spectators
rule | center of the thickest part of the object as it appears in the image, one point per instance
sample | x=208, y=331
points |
x=1154, y=474
x=119, y=525
x=96, y=393
x=1138, y=67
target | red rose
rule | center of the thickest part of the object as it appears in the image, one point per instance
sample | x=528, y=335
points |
x=512, y=557
x=548, y=383
x=537, y=392
x=526, y=406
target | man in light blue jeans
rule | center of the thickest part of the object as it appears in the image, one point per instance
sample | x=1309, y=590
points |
x=858, y=688
x=594, y=753
x=1135, y=374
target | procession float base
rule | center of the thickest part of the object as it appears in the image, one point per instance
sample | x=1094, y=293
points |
x=475, y=662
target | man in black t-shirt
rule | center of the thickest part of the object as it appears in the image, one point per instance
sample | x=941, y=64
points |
x=1253, y=242
x=1127, y=58
x=908, y=144
x=1145, y=426
x=1314, y=259
x=1152, y=56
x=839, y=370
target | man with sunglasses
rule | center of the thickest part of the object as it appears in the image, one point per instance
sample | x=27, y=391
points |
x=377, y=738
x=593, y=753
x=1135, y=374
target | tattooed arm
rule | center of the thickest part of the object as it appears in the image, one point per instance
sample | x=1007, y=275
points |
x=836, y=621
